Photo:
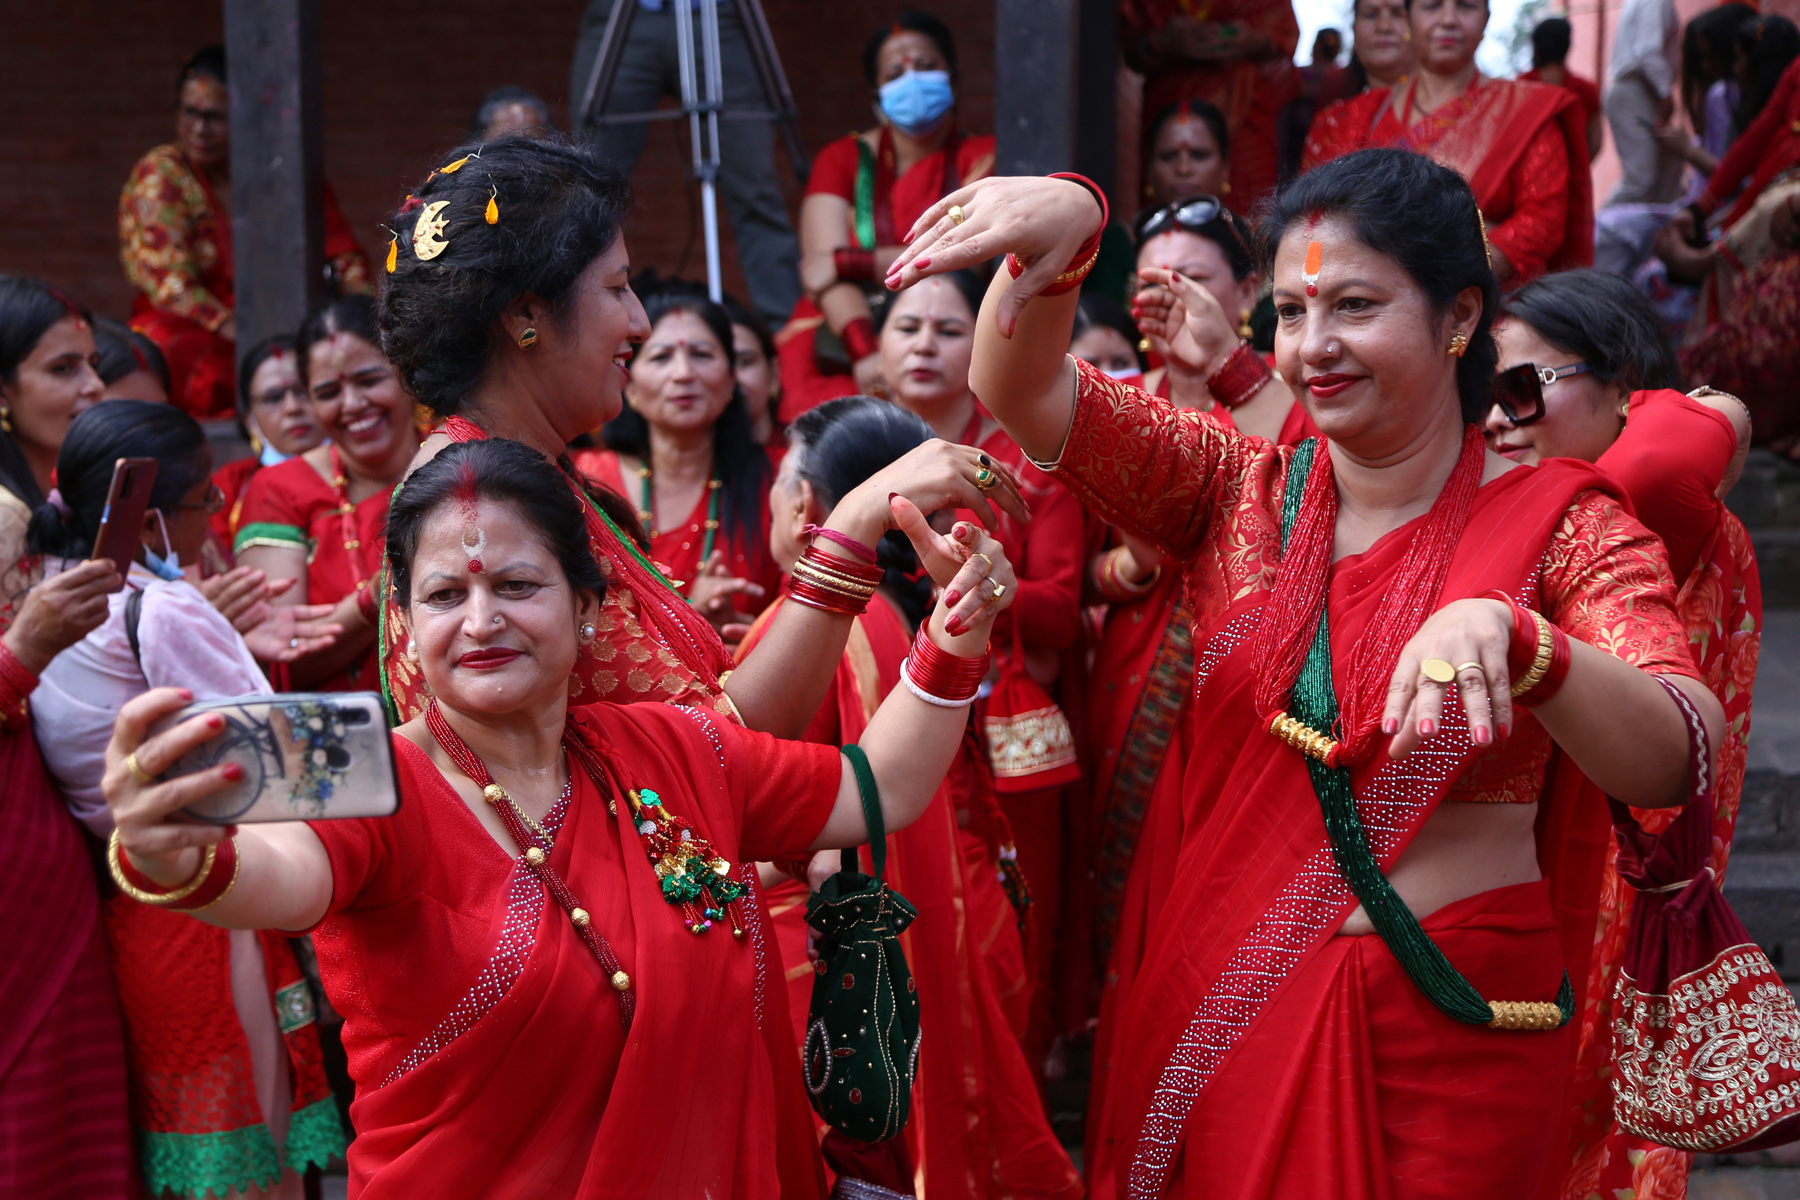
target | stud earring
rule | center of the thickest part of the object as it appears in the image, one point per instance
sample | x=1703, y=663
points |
x=1459, y=345
x=1625, y=411
x=528, y=338
x=1244, y=330
x=412, y=652
x=587, y=631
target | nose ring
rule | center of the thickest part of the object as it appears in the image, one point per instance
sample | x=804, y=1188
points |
x=496, y=620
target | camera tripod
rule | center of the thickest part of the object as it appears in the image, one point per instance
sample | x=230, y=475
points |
x=702, y=96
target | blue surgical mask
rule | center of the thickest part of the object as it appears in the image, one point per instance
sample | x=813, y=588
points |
x=271, y=457
x=917, y=101
x=163, y=568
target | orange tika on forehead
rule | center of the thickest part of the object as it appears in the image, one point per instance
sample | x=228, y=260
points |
x=1309, y=274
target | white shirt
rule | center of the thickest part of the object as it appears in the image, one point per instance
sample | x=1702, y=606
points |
x=184, y=641
x=1647, y=43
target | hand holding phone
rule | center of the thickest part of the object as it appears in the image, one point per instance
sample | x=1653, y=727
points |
x=127, y=500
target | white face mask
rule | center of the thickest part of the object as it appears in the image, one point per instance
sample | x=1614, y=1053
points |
x=163, y=568
x=1123, y=372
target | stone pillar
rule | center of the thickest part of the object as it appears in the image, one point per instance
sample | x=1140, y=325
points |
x=1035, y=85
x=1096, y=115
x=277, y=220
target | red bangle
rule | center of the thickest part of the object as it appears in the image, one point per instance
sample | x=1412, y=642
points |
x=1521, y=651
x=865, y=552
x=853, y=264
x=1560, y=654
x=948, y=676
x=16, y=681
x=862, y=572
x=1242, y=376
x=831, y=584
x=804, y=591
x=859, y=339
x=1089, y=251
x=366, y=603
x=218, y=881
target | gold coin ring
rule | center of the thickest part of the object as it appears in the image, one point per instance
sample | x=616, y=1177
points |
x=1437, y=670
x=957, y=215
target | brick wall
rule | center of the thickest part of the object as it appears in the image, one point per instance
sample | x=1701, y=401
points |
x=90, y=87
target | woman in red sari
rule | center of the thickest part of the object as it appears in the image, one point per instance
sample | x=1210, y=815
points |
x=927, y=336
x=524, y=328
x=277, y=417
x=685, y=452
x=175, y=242
x=977, y=1127
x=1676, y=456
x=529, y=1010
x=318, y=518
x=1275, y=1043
x=1522, y=146
x=866, y=189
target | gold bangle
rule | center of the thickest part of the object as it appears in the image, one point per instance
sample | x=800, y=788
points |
x=1540, y=666
x=158, y=899
x=831, y=579
x=1114, y=574
x=237, y=866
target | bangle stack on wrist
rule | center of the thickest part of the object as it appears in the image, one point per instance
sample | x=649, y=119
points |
x=16, y=683
x=1538, y=656
x=859, y=339
x=1240, y=377
x=1111, y=577
x=217, y=874
x=854, y=265
x=831, y=584
x=939, y=677
x=1089, y=251
x=861, y=549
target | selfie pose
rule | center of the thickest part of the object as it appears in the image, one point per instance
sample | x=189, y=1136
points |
x=554, y=976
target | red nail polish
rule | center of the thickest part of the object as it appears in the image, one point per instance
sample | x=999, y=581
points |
x=1391, y=726
x=953, y=625
x=921, y=264
x=185, y=694
x=233, y=771
x=215, y=721
x=951, y=597
x=1427, y=727
x=1505, y=732
x=1482, y=736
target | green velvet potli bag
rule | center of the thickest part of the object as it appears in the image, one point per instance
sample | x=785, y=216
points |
x=862, y=1030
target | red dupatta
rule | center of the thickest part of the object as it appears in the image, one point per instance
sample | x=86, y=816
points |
x=529, y=1088
x=1256, y=892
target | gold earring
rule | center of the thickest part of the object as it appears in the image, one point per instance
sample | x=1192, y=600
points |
x=1244, y=330
x=5, y=419
x=587, y=631
x=528, y=338
x=1625, y=411
x=1459, y=345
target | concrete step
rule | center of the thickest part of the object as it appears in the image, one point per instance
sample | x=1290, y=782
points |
x=1768, y=492
x=1778, y=563
x=1764, y=891
x=1744, y=1183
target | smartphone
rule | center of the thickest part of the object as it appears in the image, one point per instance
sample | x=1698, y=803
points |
x=307, y=756
x=122, y=520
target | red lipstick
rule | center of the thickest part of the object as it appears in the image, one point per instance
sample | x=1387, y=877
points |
x=487, y=660
x=1326, y=386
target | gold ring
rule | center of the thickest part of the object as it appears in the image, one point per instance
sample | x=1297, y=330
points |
x=957, y=215
x=132, y=765
x=999, y=591
x=984, y=558
x=985, y=479
x=1473, y=666
x=1437, y=670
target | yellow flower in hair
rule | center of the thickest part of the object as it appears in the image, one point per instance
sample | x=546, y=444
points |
x=456, y=166
x=393, y=254
x=493, y=207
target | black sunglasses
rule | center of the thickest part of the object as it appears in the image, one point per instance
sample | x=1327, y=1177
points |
x=1519, y=391
x=1192, y=213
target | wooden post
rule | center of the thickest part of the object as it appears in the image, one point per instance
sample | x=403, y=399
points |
x=1096, y=115
x=1035, y=84
x=277, y=220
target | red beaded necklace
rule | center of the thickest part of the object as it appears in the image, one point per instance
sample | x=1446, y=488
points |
x=1290, y=618
x=537, y=854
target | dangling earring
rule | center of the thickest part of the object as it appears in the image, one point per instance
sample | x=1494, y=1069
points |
x=5, y=419
x=1224, y=187
x=1244, y=330
x=1459, y=345
x=587, y=631
x=528, y=338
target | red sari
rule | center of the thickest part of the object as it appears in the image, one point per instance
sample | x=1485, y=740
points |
x=1261, y=1055
x=1669, y=459
x=232, y=479
x=893, y=204
x=651, y=646
x=484, y=1037
x=290, y=505
x=678, y=550
x=978, y=1130
x=1522, y=147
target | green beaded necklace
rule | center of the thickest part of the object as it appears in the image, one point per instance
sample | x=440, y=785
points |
x=1315, y=702
x=647, y=502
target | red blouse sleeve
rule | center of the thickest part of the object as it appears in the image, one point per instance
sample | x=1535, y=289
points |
x=1670, y=460
x=1746, y=154
x=1540, y=213
x=1150, y=468
x=1606, y=582
x=368, y=869
x=834, y=169
x=786, y=790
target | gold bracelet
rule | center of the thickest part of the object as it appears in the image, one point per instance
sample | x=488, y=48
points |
x=834, y=581
x=1115, y=575
x=158, y=899
x=1540, y=666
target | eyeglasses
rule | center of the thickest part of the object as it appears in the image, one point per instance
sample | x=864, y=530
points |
x=1519, y=391
x=215, y=500
x=1192, y=213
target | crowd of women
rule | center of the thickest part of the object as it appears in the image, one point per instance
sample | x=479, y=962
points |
x=1102, y=596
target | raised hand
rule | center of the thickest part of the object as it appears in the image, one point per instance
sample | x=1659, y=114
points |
x=982, y=582
x=291, y=631
x=1040, y=221
x=713, y=589
x=61, y=611
x=1187, y=319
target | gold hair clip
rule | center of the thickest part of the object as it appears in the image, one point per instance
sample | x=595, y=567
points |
x=427, y=244
x=1487, y=247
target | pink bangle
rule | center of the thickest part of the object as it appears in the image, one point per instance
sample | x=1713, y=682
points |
x=843, y=539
